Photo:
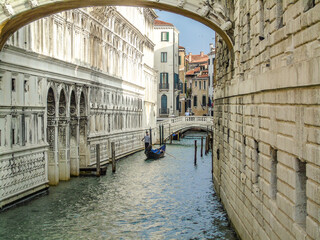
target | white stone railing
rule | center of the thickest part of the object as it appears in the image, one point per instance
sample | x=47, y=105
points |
x=172, y=125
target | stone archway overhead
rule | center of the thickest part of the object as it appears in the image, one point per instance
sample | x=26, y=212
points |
x=14, y=14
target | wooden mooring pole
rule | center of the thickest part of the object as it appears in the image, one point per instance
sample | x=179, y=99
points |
x=206, y=146
x=160, y=135
x=98, y=160
x=163, y=140
x=195, y=152
x=113, y=154
x=201, y=153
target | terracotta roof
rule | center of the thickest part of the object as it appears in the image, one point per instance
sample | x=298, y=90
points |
x=182, y=47
x=161, y=23
x=193, y=71
x=203, y=76
x=197, y=58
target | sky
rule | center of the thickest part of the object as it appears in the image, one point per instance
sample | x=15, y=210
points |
x=194, y=36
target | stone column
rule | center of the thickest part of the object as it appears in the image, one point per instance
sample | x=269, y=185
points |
x=64, y=152
x=84, y=149
x=52, y=137
x=74, y=146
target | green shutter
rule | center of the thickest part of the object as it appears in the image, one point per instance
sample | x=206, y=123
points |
x=167, y=36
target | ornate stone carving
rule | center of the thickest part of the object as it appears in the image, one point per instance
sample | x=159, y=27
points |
x=181, y=3
x=33, y=3
x=7, y=8
x=226, y=26
x=20, y=173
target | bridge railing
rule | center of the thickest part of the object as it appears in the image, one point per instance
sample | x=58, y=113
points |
x=172, y=125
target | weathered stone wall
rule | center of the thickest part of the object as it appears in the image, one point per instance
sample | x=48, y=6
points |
x=266, y=121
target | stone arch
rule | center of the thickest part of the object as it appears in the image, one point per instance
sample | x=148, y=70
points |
x=217, y=16
x=63, y=137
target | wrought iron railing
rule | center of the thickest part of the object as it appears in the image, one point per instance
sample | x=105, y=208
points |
x=163, y=85
x=164, y=111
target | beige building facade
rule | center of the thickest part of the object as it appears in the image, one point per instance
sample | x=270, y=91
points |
x=183, y=105
x=166, y=54
x=197, y=78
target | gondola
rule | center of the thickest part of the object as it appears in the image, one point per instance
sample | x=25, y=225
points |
x=155, y=153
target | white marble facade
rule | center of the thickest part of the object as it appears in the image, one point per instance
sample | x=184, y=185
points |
x=68, y=82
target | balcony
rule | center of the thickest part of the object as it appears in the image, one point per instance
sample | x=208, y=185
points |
x=163, y=111
x=163, y=86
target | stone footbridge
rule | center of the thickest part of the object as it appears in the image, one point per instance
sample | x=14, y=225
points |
x=183, y=124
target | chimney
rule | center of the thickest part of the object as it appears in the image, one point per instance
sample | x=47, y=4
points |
x=190, y=57
x=211, y=47
x=201, y=53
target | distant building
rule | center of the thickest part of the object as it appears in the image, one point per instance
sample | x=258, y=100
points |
x=166, y=38
x=211, y=55
x=197, y=78
x=183, y=106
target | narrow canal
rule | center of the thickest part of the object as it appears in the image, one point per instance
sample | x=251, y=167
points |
x=168, y=198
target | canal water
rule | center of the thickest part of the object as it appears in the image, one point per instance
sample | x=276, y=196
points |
x=170, y=198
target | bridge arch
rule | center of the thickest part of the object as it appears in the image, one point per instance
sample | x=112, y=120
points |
x=216, y=15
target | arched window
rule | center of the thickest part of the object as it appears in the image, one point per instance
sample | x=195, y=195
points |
x=204, y=102
x=195, y=100
x=164, y=104
x=177, y=103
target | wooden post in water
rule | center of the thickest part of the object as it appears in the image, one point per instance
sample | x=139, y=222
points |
x=206, y=146
x=178, y=136
x=150, y=136
x=171, y=136
x=160, y=135
x=163, y=135
x=98, y=160
x=113, y=154
x=201, y=152
x=195, y=152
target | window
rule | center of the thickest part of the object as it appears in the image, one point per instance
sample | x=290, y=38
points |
x=195, y=99
x=195, y=83
x=274, y=164
x=279, y=14
x=204, y=100
x=309, y=4
x=165, y=36
x=204, y=85
x=26, y=86
x=248, y=32
x=178, y=104
x=209, y=61
x=163, y=77
x=256, y=162
x=200, y=85
x=12, y=136
x=179, y=60
x=261, y=22
x=0, y=82
x=301, y=195
x=164, y=57
x=13, y=84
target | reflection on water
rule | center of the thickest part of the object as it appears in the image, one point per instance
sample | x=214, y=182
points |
x=168, y=198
